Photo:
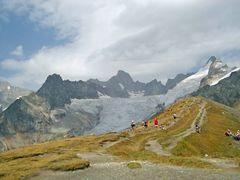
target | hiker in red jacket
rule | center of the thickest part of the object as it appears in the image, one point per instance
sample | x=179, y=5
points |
x=156, y=122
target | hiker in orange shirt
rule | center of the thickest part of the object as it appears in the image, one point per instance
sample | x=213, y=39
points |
x=156, y=122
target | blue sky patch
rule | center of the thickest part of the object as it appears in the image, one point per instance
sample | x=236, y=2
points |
x=19, y=30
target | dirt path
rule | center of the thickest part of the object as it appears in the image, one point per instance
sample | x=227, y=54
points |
x=221, y=163
x=96, y=158
x=155, y=147
x=199, y=119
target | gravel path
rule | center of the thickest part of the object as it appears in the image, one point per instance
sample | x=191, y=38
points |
x=119, y=170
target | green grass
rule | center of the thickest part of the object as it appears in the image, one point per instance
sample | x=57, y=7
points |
x=212, y=140
x=134, y=165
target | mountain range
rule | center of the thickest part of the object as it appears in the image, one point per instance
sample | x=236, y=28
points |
x=70, y=108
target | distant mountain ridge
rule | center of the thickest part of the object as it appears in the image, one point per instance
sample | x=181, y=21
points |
x=9, y=93
x=122, y=85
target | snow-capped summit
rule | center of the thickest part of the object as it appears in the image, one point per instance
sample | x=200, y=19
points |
x=217, y=70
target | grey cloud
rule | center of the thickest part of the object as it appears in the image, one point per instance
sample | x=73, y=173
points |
x=149, y=39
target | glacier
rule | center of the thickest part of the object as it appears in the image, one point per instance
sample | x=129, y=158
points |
x=116, y=114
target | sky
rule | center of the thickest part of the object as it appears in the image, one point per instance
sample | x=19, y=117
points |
x=82, y=39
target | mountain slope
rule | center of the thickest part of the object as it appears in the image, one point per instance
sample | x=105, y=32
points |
x=227, y=91
x=223, y=152
x=45, y=115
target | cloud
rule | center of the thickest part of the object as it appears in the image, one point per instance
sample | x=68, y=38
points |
x=148, y=39
x=18, y=52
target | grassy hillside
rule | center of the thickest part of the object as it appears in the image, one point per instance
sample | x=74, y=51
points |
x=178, y=144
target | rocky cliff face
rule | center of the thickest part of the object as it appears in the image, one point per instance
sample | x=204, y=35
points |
x=58, y=92
x=216, y=71
x=31, y=119
x=9, y=93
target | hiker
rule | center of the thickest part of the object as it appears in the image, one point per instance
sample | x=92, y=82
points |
x=228, y=133
x=162, y=127
x=174, y=116
x=132, y=125
x=146, y=124
x=156, y=122
x=197, y=127
x=237, y=136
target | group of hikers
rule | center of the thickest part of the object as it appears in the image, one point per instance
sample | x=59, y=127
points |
x=145, y=123
x=234, y=136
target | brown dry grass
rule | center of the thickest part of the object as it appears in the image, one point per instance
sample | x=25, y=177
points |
x=54, y=155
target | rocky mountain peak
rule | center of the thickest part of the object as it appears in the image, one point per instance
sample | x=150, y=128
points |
x=218, y=66
x=217, y=69
x=54, y=78
x=124, y=77
x=211, y=59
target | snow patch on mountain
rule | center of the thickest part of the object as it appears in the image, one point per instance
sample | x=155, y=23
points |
x=102, y=96
x=226, y=76
x=133, y=94
x=122, y=87
x=187, y=86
